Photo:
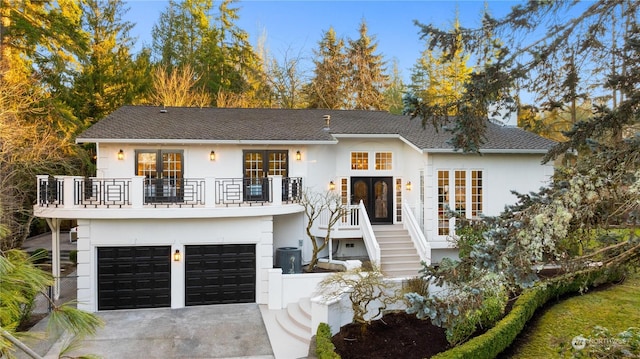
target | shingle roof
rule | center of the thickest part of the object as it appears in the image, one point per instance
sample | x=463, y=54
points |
x=224, y=125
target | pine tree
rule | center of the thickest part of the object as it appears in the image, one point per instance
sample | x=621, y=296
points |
x=394, y=93
x=438, y=79
x=367, y=79
x=189, y=33
x=327, y=87
x=107, y=78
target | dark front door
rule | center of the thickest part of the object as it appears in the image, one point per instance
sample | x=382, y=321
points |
x=217, y=274
x=134, y=277
x=377, y=195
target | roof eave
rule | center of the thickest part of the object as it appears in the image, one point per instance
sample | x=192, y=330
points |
x=533, y=151
x=204, y=142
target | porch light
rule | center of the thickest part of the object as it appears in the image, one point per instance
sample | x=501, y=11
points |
x=212, y=156
x=121, y=155
x=408, y=186
x=332, y=186
x=298, y=156
x=177, y=256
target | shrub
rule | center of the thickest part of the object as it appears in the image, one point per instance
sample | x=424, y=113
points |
x=73, y=256
x=498, y=338
x=324, y=347
x=40, y=255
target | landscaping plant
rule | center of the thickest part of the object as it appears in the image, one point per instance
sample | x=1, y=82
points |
x=318, y=204
x=367, y=290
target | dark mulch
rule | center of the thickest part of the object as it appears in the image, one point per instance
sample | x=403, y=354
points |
x=396, y=335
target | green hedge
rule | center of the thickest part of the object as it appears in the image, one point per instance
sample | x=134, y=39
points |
x=324, y=347
x=500, y=337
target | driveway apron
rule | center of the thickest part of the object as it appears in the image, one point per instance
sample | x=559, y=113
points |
x=215, y=331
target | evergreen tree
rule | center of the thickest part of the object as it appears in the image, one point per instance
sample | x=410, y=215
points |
x=189, y=33
x=327, y=87
x=367, y=79
x=394, y=93
x=585, y=221
x=438, y=79
x=107, y=77
x=39, y=42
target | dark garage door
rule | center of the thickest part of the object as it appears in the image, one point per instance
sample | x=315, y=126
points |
x=134, y=277
x=217, y=274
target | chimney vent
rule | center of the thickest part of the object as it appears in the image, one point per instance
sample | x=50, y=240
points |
x=163, y=110
x=327, y=121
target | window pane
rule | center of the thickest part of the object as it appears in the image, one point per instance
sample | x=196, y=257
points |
x=359, y=160
x=383, y=161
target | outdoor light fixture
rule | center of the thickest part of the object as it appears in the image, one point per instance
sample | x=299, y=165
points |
x=212, y=156
x=177, y=256
x=121, y=155
x=298, y=156
x=409, y=186
x=332, y=186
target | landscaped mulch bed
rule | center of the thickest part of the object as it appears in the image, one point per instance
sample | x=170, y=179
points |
x=396, y=335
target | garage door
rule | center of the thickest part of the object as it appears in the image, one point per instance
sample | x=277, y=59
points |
x=134, y=277
x=216, y=274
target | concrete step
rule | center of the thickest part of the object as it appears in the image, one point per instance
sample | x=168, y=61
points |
x=305, y=306
x=400, y=259
x=401, y=273
x=299, y=317
x=292, y=328
x=284, y=344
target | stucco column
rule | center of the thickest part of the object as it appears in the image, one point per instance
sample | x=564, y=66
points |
x=137, y=191
x=276, y=183
x=209, y=192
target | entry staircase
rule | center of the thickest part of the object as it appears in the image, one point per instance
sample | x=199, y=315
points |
x=398, y=255
x=292, y=325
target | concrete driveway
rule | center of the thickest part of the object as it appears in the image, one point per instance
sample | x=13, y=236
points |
x=215, y=331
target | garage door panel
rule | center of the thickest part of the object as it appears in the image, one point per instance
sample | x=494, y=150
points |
x=134, y=277
x=217, y=274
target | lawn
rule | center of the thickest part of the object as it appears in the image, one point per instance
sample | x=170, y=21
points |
x=616, y=307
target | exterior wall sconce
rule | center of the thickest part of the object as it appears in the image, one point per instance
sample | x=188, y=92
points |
x=332, y=186
x=298, y=156
x=408, y=186
x=121, y=155
x=177, y=256
x=212, y=156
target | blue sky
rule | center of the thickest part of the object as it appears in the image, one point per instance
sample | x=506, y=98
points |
x=293, y=28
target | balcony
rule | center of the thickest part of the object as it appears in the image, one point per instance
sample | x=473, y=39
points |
x=140, y=193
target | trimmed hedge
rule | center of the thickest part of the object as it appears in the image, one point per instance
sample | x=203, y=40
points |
x=324, y=347
x=500, y=337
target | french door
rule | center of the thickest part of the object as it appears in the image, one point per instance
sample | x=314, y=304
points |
x=163, y=172
x=377, y=195
x=258, y=164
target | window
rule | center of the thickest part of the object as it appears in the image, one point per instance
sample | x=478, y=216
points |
x=398, y=200
x=443, y=203
x=461, y=193
x=476, y=193
x=162, y=170
x=383, y=161
x=467, y=199
x=359, y=161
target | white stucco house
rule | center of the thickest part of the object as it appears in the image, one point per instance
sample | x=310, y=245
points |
x=193, y=206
